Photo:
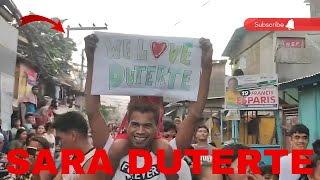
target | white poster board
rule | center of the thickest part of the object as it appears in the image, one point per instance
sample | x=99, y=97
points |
x=136, y=65
x=6, y=94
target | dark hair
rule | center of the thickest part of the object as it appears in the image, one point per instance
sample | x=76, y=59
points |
x=19, y=132
x=15, y=120
x=235, y=148
x=202, y=126
x=71, y=121
x=48, y=125
x=114, y=128
x=41, y=140
x=314, y=161
x=233, y=79
x=238, y=72
x=266, y=169
x=169, y=125
x=35, y=87
x=39, y=126
x=316, y=146
x=143, y=107
x=28, y=115
x=213, y=144
x=300, y=129
x=54, y=104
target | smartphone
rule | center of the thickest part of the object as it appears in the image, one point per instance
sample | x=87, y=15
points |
x=32, y=151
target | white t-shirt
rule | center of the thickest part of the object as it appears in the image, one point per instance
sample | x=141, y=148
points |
x=153, y=174
x=52, y=141
x=286, y=169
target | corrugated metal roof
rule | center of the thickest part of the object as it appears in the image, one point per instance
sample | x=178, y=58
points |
x=306, y=80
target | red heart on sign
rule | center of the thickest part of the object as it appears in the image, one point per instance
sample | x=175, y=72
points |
x=158, y=48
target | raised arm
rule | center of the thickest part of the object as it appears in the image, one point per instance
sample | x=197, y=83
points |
x=99, y=129
x=184, y=136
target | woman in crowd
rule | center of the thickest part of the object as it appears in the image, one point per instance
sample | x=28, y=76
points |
x=15, y=125
x=40, y=130
x=50, y=136
x=45, y=113
x=19, y=140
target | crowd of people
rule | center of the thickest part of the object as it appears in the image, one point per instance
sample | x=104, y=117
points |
x=142, y=128
x=31, y=128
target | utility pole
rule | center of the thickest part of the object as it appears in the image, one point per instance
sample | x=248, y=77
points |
x=89, y=28
x=80, y=28
x=81, y=79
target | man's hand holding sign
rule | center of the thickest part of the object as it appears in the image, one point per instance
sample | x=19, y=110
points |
x=143, y=65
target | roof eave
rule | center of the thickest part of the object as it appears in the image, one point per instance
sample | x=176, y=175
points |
x=234, y=40
x=303, y=81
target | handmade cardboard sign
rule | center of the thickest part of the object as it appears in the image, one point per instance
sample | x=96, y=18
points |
x=137, y=65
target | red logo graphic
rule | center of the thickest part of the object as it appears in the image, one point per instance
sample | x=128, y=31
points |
x=32, y=18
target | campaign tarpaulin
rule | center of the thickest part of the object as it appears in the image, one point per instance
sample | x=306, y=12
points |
x=251, y=92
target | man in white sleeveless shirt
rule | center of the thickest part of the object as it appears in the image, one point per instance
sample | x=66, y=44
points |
x=72, y=130
x=299, y=140
x=147, y=127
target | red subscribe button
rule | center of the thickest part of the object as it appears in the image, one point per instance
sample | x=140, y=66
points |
x=282, y=24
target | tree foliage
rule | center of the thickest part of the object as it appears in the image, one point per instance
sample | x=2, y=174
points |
x=105, y=112
x=54, y=49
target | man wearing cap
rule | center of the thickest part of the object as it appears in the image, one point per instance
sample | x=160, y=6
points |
x=142, y=125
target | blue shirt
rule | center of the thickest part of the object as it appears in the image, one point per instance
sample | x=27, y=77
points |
x=31, y=108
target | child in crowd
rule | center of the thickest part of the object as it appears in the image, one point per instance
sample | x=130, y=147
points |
x=30, y=121
x=40, y=130
x=15, y=125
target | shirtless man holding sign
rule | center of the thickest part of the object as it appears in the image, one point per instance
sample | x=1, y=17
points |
x=142, y=123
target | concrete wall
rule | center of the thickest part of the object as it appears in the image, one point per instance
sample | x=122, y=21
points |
x=288, y=72
x=8, y=57
x=315, y=8
x=8, y=47
x=267, y=64
x=216, y=88
x=252, y=60
x=259, y=57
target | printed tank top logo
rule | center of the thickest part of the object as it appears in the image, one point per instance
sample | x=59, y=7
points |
x=149, y=175
x=206, y=159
